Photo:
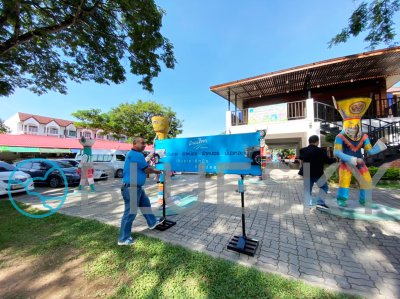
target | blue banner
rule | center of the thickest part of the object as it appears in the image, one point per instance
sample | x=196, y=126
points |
x=229, y=154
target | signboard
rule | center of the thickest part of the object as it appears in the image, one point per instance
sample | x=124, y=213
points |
x=268, y=114
x=212, y=154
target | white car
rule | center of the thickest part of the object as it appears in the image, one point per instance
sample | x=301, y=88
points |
x=99, y=173
x=19, y=180
x=110, y=160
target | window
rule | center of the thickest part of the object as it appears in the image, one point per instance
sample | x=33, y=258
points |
x=97, y=158
x=53, y=131
x=24, y=166
x=62, y=164
x=87, y=134
x=102, y=158
x=107, y=158
x=36, y=166
x=32, y=129
x=100, y=135
x=4, y=167
x=72, y=133
x=120, y=157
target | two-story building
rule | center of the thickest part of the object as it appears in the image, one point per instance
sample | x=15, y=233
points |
x=295, y=103
x=25, y=123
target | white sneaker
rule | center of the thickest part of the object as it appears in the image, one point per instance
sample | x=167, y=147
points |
x=129, y=241
x=158, y=222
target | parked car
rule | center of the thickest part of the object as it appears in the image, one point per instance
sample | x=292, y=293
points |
x=99, y=174
x=111, y=160
x=21, y=181
x=157, y=155
x=39, y=169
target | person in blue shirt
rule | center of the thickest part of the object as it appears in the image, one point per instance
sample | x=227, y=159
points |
x=135, y=171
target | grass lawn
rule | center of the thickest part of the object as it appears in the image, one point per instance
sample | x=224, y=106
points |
x=62, y=256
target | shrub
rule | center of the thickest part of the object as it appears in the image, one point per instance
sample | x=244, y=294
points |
x=392, y=174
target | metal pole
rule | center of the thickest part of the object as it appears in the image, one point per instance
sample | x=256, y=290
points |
x=243, y=215
x=236, y=118
x=229, y=99
x=163, y=198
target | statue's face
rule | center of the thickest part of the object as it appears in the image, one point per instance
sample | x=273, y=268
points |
x=352, y=129
x=86, y=141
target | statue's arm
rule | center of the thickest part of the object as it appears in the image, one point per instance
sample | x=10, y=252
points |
x=338, y=152
x=379, y=146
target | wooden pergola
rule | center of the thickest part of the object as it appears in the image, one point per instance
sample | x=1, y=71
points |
x=359, y=67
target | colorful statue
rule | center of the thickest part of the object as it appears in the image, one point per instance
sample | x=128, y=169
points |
x=348, y=146
x=85, y=166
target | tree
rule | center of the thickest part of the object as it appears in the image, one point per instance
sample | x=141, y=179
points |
x=330, y=138
x=3, y=127
x=375, y=17
x=129, y=119
x=44, y=43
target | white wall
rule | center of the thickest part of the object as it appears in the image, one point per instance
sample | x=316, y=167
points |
x=288, y=129
x=12, y=123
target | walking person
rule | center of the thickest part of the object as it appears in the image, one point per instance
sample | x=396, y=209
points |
x=136, y=165
x=316, y=157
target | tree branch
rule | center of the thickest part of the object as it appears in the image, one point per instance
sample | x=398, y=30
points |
x=17, y=24
x=43, y=31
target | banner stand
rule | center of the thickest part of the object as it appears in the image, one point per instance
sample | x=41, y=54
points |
x=243, y=244
x=167, y=223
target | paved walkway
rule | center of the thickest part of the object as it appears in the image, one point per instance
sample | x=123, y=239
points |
x=342, y=254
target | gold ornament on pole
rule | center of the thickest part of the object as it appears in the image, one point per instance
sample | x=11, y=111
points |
x=160, y=126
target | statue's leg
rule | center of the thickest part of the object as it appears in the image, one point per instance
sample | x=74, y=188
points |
x=81, y=184
x=365, y=184
x=344, y=184
x=91, y=179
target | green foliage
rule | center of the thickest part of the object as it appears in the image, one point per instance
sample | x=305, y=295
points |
x=45, y=43
x=3, y=127
x=288, y=152
x=129, y=119
x=149, y=269
x=377, y=18
x=392, y=174
x=330, y=138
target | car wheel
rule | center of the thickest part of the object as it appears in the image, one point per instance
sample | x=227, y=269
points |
x=257, y=158
x=119, y=173
x=54, y=182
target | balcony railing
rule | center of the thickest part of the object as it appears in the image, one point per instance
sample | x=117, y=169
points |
x=296, y=110
x=324, y=112
x=239, y=117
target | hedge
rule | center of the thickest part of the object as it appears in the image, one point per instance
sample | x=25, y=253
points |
x=392, y=174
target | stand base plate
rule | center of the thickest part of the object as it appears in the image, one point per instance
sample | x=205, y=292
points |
x=249, y=248
x=166, y=225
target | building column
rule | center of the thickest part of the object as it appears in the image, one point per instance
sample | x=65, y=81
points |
x=228, y=122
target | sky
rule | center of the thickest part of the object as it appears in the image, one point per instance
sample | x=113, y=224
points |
x=215, y=41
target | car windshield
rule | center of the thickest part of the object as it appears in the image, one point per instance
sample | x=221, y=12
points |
x=4, y=167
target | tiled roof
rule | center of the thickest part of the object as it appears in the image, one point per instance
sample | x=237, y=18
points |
x=55, y=142
x=44, y=119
